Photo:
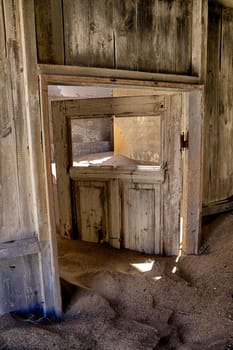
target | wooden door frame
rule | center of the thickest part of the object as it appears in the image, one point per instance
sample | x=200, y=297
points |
x=193, y=99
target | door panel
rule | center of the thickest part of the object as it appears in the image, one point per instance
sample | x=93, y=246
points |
x=141, y=218
x=92, y=211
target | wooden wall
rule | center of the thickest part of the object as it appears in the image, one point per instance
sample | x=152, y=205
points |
x=15, y=182
x=25, y=260
x=144, y=35
x=218, y=129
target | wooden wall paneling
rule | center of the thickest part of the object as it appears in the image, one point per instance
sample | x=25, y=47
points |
x=19, y=125
x=218, y=179
x=9, y=219
x=48, y=264
x=88, y=33
x=125, y=35
x=211, y=125
x=225, y=115
x=35, y=268
x=164, y=32
x=62, y=160
x=20, y=286
x=49, y=31
x=199, y=38
x=173, y=178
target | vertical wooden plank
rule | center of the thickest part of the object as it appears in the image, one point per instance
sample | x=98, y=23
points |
x=125, y=35
x=211, y=139
x=218, y=179
x=92, y=201
x=17, y=103
x=199, y=38
x=20, y=288
x=225, y=107
x=9, y=220
x=114, y=210
x=192, y=196
x=62, y=160
x=141, y=217
x=49, y=30
x=47, y=258
x=173, y=181
x=88, y=33
x=164, y=36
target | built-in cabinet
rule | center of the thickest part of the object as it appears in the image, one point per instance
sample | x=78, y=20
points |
x=119, y=207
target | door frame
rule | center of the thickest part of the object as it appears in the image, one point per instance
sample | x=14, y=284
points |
x=192, y=102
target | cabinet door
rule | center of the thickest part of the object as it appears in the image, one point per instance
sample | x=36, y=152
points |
x=141, y=209
x=91, y=204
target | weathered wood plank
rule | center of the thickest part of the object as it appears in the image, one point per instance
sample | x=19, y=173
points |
x=173, y=180
x=88, y=33
x=218, y=207
x=218, y=167
x=141, y=218
x=192, y=191
x=148, y=175
x=115, y=106
x=49, y=31
x=225, y=108
x=164, y=31
x=62, y=160
x=18, y=150
x=20, y=288
x=125, y=35
x=79, y=75
x=19, y=248
x=91, y=201
x=9, y=220
x=114, y=212
x=199, y=38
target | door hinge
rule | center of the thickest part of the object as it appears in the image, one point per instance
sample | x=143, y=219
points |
x=184, y=140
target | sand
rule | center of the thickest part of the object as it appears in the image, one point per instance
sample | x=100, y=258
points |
x=110, y=304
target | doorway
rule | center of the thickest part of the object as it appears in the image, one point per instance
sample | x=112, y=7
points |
x=171, y=181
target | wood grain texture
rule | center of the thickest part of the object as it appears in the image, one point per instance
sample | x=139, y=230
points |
x=62, y=160
x=192, y=190
x=141, y=218
x=144, y=35
x=173, y=179
x=88, y=33
x=93, y=214
x=49, y=31
x=20, y=288
x=164, y=30
x=145, y=105
x=218, y=166
x=17, y=193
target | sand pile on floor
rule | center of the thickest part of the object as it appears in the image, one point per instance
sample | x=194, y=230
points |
x=109, y=304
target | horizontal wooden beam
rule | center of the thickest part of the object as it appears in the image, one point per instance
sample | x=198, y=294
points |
x=19, y=248
x=47, y=69
x=140, y=105
x=106, y=173
x=218, y=207
x=225, y=3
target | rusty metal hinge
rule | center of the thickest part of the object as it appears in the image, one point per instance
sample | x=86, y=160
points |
x=184, y=140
